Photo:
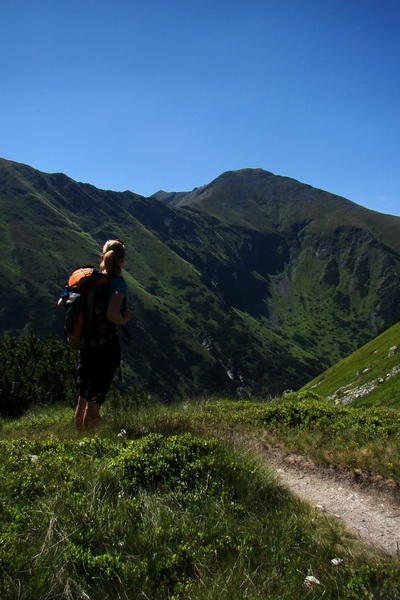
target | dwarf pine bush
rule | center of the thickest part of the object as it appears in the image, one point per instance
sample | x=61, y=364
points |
x=34, y=371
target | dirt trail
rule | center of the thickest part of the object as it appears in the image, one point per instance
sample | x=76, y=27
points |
x=369, y=509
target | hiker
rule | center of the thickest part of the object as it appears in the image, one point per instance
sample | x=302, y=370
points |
x=97, y=363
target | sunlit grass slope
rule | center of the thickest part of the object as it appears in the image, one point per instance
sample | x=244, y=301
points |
x=370, y=376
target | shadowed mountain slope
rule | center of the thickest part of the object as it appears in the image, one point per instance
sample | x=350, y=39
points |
x=254, y=283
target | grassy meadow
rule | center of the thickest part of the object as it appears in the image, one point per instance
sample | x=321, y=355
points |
x=157, y=504
x=167, y=501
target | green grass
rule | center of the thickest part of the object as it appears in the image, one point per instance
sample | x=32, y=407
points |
x=168, y=509
x=372, y=363
x=352, y=438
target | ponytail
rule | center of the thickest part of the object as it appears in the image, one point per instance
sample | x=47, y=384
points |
x=112, y=258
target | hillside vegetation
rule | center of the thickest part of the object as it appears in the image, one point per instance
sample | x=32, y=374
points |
x=250, y=285
x=368, y=377
x=158, y=504
x=164, y=508
x=240, y=289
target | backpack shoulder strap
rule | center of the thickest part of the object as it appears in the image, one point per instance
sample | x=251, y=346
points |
x=126, y=338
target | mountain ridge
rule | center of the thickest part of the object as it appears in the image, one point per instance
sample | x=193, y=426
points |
x=250, y=284
x=199, y=197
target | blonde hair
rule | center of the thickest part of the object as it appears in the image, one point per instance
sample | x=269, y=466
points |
x=112, y=257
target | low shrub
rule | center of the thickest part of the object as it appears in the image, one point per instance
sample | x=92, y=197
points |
x=34, y=371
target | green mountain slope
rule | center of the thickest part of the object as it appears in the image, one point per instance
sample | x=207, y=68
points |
x=335, y=285
x=252, y=284
x=370, y=376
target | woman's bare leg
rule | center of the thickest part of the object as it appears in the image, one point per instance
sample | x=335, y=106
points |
x=92, y=415
x=80, y=413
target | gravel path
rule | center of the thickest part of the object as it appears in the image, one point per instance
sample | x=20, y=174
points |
x=371, y=512
x=370, y=507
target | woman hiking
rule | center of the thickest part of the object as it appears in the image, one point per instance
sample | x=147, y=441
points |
x=97, y=364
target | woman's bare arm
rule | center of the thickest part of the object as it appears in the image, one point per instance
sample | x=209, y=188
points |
x=114, y=313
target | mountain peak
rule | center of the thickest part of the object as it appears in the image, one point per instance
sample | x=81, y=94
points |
x=261, y=287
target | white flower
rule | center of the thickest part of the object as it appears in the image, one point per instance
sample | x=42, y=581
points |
x=122, y=433
x=310, y=580
x=82, y=444
x=34, y=458
x=337, y=561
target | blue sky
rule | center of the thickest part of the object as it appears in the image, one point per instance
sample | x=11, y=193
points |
x=168, y=94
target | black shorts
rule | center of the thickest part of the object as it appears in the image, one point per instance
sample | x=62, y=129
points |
x=96, y=370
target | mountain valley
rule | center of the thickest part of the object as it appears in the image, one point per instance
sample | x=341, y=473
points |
x=252, y=284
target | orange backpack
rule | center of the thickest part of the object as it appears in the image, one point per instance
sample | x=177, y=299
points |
x=86, y=324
